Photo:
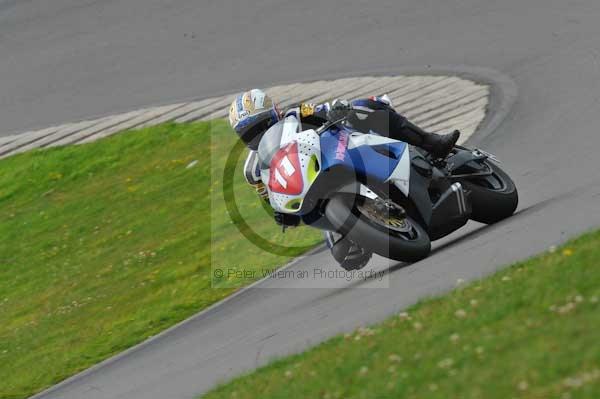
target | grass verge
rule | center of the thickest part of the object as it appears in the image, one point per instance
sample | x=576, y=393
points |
x=105, y=244
x=530, y=331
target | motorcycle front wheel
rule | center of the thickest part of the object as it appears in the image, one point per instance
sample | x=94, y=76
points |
x=402, y=239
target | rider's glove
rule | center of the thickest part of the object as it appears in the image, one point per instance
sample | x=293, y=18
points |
x=339, y=109
x=286, y=220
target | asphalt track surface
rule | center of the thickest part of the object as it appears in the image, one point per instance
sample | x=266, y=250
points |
x=67, y=59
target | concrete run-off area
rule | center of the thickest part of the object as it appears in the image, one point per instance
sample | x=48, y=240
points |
x=437, y=103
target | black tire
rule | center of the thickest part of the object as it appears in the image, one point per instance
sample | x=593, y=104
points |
x=342, y=213
x=493, y=198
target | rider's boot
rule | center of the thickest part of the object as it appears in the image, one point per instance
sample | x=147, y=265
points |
x=439, y=145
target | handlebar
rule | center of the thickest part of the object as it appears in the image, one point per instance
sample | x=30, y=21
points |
x=332, y=123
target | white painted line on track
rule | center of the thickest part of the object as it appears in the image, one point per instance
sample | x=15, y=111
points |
x=439, y=103
x=8, y=139
x=24, y=140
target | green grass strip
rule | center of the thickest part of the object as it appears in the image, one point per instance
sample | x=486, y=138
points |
x=530, y=331
x=106, y=244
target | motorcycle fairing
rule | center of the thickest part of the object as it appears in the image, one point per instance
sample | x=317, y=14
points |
x=306, y=149
x=370, y=156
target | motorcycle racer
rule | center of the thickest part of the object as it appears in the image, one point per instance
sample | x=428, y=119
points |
x=253, y=112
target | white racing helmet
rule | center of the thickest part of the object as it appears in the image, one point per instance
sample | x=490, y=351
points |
x=251, y=114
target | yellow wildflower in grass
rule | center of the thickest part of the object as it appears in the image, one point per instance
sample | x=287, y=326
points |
x=567, y=252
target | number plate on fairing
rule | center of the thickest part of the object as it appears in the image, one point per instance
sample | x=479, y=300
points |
x=290, y=163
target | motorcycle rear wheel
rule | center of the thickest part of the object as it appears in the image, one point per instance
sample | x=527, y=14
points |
x=493, y=197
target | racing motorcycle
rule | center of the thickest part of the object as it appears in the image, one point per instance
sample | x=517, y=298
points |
x=381, y=194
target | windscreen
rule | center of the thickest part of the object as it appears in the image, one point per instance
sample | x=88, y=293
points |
x=269, y=144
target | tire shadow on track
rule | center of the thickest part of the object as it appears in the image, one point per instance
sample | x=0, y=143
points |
x=473, y=234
